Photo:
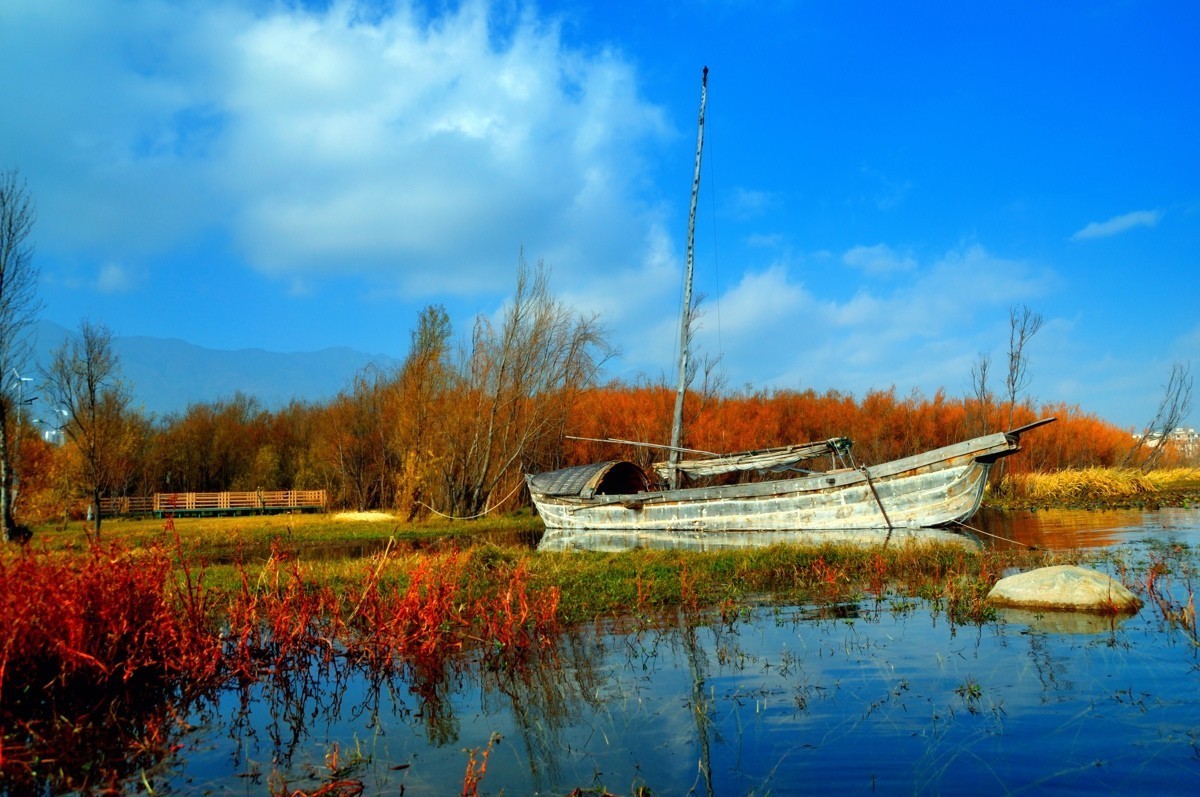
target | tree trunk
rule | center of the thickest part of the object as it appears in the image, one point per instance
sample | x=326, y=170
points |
x=6, y=479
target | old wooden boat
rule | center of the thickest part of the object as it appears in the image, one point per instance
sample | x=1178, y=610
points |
x=935, y=488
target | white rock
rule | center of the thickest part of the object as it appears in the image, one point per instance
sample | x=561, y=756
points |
x=1066, y=587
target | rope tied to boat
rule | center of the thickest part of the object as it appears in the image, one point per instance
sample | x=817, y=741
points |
x=487, y=510
x=1000, y=537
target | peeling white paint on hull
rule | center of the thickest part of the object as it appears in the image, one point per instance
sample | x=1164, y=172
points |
x=616, y=540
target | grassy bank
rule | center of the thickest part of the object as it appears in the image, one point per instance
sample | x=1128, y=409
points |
x=223, y=537
x=351, y=553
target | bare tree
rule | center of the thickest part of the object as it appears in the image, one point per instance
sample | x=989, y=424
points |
x=84, y=380
x=979, y=390
x=514, y=388
x=1023, y=324
x=1172, y=409
x=19, y=307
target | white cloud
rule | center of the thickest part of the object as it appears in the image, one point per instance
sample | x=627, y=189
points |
x=115, y=278
x=421, y=149
x=878, y=259
x=424, y=152
x=112, y=122
x=762, y=300
x=924, y=331
x=1118, y=224
x=746, y=203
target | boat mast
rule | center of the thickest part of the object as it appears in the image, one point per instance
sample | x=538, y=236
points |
x=685, y=321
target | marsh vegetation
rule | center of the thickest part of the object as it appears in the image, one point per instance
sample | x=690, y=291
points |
x=155, y=645
x=1101, y=488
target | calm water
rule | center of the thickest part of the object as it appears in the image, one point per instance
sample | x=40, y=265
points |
x=866, y=698
x=1073, y=529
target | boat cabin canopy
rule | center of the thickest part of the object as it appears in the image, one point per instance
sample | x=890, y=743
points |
x=772, y=460
x=616, y=477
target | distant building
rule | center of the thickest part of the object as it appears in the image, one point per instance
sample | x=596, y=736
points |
x=1186, y=440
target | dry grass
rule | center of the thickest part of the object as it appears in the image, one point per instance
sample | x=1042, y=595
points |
x=225, y=537
x=369, y=517
x=1098, y=486
x=1175, y=479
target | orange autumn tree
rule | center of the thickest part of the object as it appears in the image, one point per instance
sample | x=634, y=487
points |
x=883, y=425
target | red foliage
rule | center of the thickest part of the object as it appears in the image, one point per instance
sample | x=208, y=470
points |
x=108, y=634
x=99, y=621
x=434, y=616
x=281, y=620
x=882, y=425
x=95, y=653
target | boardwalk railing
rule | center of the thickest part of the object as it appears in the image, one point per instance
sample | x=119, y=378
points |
x=128, y=505
x=226, y=503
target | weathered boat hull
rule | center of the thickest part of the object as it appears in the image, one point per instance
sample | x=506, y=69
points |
x=616, y=541
x=936, y=488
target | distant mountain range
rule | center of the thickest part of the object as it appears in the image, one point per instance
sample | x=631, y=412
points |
x=167, y=375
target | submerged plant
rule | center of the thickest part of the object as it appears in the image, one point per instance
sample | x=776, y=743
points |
x=969, y=690
x=1175, y=600
x=477, y=767
x=149, y=630
x=113, y=633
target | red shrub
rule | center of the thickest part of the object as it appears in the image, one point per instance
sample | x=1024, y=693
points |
x=101, y=621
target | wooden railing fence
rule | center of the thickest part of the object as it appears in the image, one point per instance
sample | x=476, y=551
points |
x=231, y=502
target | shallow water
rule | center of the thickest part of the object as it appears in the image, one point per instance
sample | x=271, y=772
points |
x=871, y=697
x=889, y=699
x=1070, y=529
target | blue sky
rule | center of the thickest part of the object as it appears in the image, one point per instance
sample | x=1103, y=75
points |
x=882, y=181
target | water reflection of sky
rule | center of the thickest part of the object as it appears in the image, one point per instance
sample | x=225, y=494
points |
x=869, y=697
x=890, y=700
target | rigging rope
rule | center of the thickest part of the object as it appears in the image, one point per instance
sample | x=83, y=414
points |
x=993, y=536
x=520, y=484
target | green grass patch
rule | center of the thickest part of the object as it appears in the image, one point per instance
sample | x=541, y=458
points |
x=222, y=537
x=344, y=553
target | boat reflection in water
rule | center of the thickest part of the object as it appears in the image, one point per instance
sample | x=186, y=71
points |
x=611, y=541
